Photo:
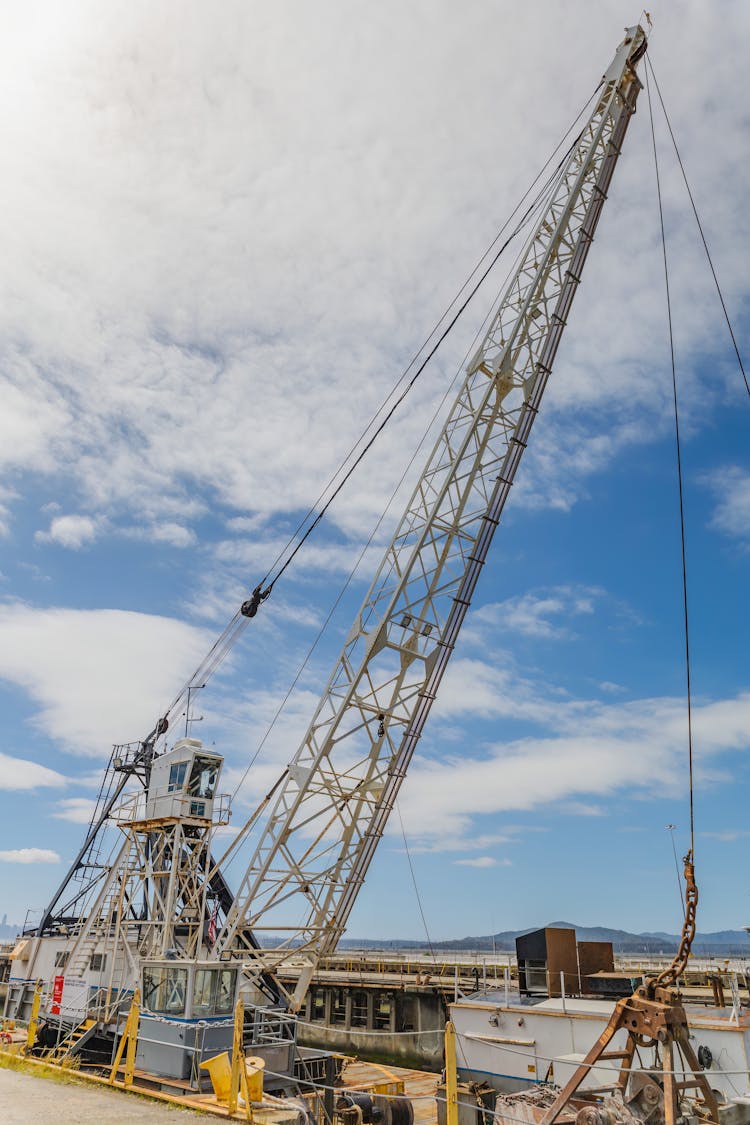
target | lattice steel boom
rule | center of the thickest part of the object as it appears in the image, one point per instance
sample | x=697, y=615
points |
x=334, y=802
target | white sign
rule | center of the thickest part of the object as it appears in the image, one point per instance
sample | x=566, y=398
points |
x=75, y=994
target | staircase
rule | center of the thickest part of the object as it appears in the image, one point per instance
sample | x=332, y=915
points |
x=72, y=1043
x=95, y=933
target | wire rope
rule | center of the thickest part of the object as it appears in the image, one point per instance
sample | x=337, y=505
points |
x=540, y=200
x=680, y=893
x=319, y=515
x=347, y=583
x=226, y=640
x=686, y=617
x=362, y=553
x=416, y=888
x=649, y=67
x=312, y=510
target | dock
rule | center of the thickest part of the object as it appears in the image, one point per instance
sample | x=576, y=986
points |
x=37, y=1097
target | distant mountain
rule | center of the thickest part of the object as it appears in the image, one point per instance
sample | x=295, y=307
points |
x=722, y=943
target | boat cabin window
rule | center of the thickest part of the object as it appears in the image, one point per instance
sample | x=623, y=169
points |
x=165, y=989
x=408, y=1014
x=177, y=776
x=318, y=1004
x=338, y=1006
x=213, y=992
x=382, y=1015
x=203, y=778
x=61, y=958
x=536, y=976
x=359, y=1009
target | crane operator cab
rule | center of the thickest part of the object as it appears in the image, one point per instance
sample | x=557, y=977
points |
x=183, y=782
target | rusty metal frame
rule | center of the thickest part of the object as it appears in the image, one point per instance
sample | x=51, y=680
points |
x=653, y=1017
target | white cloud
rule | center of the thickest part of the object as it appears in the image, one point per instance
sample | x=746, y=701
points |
x=29, y=855
x=329, y=558
x=78, y=810
x=728, y=835
x=590, y=750
x=36, y=573
x=97, y=676
x=7, y=495
x=175, y=534
x=491, y=690
x=21, y=774
x=259, y=313
x=73, y=532
x=540, y=613
x=483, y=861
x=731, y=486
x=172, y=533
x=581, y=808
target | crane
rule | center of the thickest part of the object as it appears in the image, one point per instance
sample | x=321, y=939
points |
x=338, y=791
x=315, y=834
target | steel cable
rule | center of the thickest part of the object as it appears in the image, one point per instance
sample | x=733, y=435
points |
x=649, y=67
x=686, y=618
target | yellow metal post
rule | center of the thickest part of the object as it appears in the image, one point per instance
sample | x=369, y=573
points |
x=34, y=1021
x=129, y=1038
x=220, y=1072
x=134, y=1016
x=238, y=1058
x=451, y=1086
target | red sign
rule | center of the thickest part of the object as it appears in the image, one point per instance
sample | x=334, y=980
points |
x=57, y=991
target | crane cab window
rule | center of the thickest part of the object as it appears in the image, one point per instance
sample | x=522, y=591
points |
x=177, y=776
x=203, y=778
x=165, y=989
x=213, y=992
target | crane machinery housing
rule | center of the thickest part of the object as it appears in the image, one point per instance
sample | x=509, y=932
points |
x=146, y=904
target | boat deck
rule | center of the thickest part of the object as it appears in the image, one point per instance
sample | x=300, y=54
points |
x=361, y=1077
x=418, y=1085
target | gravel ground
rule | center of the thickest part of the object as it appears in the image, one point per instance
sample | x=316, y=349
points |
x=26, y=1099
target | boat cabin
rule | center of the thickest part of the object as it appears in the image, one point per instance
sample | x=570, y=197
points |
x=186, y=1015
x=183, y=782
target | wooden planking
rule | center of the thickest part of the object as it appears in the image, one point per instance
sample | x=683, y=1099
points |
x=419, y=1085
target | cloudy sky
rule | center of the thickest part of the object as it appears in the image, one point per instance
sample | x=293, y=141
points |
x=226, y=231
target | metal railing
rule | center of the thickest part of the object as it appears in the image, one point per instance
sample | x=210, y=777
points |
x=143, y=806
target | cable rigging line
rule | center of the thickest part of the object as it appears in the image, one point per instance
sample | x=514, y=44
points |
x=680, y=893
x=342, y=591
x=249, y=608
x=361, y=555
x=649, y=67
x=416, y=888
x=524, y=219
x=679, y=471
x=266, y=589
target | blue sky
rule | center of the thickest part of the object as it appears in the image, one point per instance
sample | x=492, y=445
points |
x=225, y=240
